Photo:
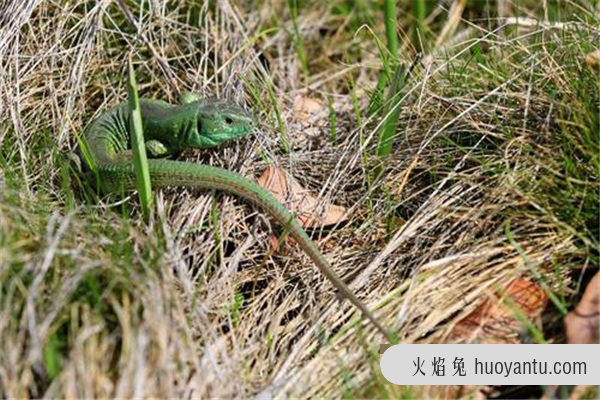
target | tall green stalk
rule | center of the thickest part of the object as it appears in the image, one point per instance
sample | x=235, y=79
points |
x=419, y=11
x=391, y=77
x=140, y=161
x=389, y=13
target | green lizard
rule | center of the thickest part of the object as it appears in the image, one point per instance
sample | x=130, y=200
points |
x=196, y=123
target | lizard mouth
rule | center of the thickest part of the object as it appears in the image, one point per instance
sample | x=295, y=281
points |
x=221, y=138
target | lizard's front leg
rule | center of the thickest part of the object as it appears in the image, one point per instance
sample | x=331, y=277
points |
x=156, y=149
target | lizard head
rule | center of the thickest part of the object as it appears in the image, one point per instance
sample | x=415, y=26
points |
x=218, y=121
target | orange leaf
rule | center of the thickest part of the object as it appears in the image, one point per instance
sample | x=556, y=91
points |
x=495, y=321
x=310, y=211
x=275, y=244
x=305, y=108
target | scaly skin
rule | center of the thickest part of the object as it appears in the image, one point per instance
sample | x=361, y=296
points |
x=169, y=129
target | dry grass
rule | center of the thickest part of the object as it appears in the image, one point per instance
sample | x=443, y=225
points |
x=94, y=303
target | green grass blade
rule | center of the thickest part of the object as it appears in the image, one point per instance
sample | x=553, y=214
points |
x=389, y=57
x=419, y=12
x=391, y=113
x=280, y=123
x=140, y=161
x=87, y=157
x=389, y=12
x=52, y=356
x=376, y=97
x=297, y=37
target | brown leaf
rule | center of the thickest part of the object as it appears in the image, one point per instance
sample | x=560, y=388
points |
x=593, y=59
x=273, y=242
x=495, y=321
x=309, y=210
x=276, y=245
x=583, y=323
x=305, y=108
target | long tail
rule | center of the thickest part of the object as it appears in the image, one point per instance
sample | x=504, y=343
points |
x=164, y=173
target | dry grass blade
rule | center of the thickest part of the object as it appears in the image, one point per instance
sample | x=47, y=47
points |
x=498, y=127
x=454, y=18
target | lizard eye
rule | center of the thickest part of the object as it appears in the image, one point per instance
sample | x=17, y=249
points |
x=228, y=120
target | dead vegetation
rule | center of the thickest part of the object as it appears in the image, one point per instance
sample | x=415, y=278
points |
x=476, y=194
